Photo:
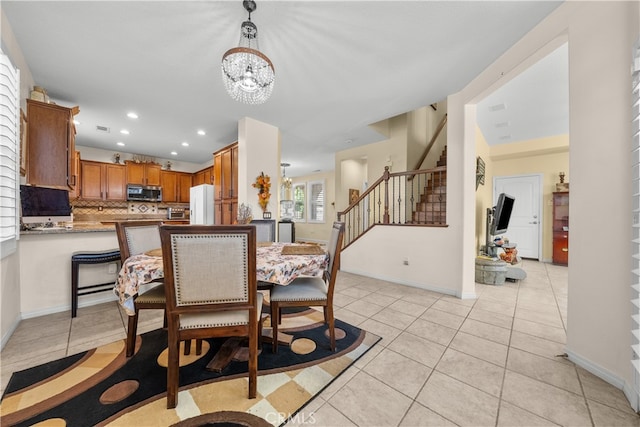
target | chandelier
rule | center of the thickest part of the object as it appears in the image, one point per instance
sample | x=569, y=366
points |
x=286, y=182
x=247, y=73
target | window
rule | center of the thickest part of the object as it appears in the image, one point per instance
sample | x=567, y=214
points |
x=316, y=201
x=299, y=193
x=9, y=125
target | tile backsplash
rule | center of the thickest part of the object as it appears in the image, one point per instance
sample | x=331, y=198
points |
x=100, y=210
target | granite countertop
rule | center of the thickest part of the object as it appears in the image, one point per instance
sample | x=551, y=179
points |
x=83, y=227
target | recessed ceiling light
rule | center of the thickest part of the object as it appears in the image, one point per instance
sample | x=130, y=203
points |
x=174, y=153
x=124, y=132
x=185, y=144
x=121, y=144
x=201, y=132
x=132, y=115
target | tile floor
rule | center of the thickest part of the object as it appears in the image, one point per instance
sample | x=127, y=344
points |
x=493, y=361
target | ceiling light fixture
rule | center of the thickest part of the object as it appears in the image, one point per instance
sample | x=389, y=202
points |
x=286, y=182
x=247, y=73
x=132, y=115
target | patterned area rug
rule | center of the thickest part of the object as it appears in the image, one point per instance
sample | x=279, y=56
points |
x=103, y=387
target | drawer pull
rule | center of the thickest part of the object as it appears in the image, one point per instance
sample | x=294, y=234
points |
x=565, y=249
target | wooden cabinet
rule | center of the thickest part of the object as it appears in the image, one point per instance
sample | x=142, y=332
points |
x=184, y=185
x=51, y=145
x=75, y=192
x=143, y=173
x=205, y=176
x=102, y=181
x=561, y=228
x=225, y=177
x=175, y=186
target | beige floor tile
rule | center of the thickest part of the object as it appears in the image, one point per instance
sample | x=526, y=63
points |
x=386, y=332
x=561, y=375
x=364, y=308
x=419, y=349
x=486, y=330
x=481, y=348
x=326, y=415
x=606, y=416
x=510, y=415
x=550, y=318
x=539, y=330
x=598, y=390
x=339, y=382
x=491, y=317
x=34, y=349
x=34, y=329
x=340, y=299
x=394, y=318
x=380, y=299
x=436, y=315
x=506, y=309
x=408, y=307
x=425, y=301
x=356, y=292
x=469, y=407
x=307, y=415
x=349, y=316
x=540, y=346
x=432, y=331
x=470, y=370
x=81, y=345
x=383, y=406
x=399, y=372
x=549, y=402
x=452, y=308
x=419, y=416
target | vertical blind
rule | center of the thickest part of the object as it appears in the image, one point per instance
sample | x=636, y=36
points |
x=635, y=243
x=9, y=143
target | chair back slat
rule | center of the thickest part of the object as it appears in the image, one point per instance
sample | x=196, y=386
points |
x=210, y=268
x=334, y=248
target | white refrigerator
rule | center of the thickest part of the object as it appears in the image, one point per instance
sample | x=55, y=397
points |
x=201, y=199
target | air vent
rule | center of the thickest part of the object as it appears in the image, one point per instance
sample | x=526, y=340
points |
x=502, y=125
x=103, y=129
x=498, y=107
x=505, y=137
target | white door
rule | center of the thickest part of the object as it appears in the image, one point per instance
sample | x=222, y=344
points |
x=526, y=219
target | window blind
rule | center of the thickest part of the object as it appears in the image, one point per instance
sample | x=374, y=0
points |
x=635, y=226
x=316, y=200
x=9, y=154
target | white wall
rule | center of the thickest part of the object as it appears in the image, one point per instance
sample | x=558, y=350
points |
x=99, y=155
x=600, y=36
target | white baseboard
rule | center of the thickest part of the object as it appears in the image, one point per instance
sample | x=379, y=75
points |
x=14, y=324
x=427, y=287
x=51, y=310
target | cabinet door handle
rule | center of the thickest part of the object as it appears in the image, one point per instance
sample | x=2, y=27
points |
x=565, y=249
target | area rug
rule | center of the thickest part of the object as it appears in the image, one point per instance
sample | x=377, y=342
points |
x=102, y=387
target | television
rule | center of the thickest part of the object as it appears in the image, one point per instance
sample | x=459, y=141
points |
x=42, y=205
x=501, y=214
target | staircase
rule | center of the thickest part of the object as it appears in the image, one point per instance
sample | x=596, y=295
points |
x=432, y=206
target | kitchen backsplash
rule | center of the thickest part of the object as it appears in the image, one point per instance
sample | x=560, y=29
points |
x=100, y=210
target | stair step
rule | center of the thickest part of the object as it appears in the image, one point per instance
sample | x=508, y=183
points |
x=431, y=207
x=433, y=217
x=433, y=198
x=441, y=189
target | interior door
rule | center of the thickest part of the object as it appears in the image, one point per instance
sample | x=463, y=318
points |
x=525, y=224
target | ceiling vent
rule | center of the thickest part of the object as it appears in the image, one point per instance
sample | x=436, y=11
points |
x=103, y=129
x=498, y=107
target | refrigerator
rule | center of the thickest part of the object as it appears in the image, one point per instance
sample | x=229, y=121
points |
x=201, y=200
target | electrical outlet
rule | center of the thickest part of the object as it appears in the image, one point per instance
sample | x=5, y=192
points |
x=100, y=208
x=112, y=268
x=405, y=261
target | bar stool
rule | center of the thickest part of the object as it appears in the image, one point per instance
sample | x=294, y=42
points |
x=89, y=257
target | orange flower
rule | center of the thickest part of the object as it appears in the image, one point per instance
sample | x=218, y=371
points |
x=263, y=184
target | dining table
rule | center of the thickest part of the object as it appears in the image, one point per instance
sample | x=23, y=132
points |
x=276, y=263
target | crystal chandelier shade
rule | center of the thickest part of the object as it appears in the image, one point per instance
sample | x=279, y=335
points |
x=247, y=73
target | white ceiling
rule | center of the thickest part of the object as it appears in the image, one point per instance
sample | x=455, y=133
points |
x=340, y=66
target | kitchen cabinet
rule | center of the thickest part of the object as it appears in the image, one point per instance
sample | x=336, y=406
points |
x=75, y=192
x=143, y=173
x=51, y=145
x=102, y=181
x=175, y=186
x=561, y=228
x=225, y=177
x=205, y=176
x=184, y=185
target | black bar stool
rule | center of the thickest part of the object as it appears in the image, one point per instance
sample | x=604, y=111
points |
x=89, y=257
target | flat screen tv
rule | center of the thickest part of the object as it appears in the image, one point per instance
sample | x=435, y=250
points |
x=41, y=205
x=501, y=214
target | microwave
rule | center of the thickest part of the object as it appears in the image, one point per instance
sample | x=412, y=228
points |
x=144, y=193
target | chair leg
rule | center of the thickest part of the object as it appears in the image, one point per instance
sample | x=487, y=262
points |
x=253, y=362
x=198, y=347
x=187, y=347
x=275, y=315
x=332, y=329
x=132, y=331
x=173, y=370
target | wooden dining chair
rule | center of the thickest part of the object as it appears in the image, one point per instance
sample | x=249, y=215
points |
x=311, y=291
x=135, y=238
x=211, y=289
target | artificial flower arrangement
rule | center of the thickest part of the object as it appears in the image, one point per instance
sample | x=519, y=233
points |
x=263, y=184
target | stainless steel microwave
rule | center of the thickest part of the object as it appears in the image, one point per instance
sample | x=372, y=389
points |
x=144, y=193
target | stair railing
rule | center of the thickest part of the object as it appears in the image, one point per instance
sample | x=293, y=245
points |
x=416, y=198
x=441, y=125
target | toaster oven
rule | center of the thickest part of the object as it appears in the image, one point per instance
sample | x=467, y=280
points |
x=176, y=213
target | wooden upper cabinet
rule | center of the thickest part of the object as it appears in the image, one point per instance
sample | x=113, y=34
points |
x=143, y=173
x=51, y=145
x=184, y=187
x=225, y=177
x=169, y=183
x=102, y=181
x=204, y=176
